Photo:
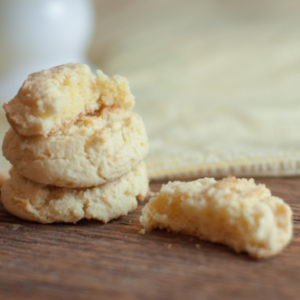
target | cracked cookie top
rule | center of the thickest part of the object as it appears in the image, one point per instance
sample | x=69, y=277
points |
x=52, y=99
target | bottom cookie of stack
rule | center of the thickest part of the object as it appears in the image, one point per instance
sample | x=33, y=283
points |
x=46, y=204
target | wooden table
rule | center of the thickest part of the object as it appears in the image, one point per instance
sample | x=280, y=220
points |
x=95, y=261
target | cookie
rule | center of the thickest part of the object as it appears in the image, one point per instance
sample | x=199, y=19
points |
x=35, y=202
x=94, y=150
x=52, y=99
x=234, y=212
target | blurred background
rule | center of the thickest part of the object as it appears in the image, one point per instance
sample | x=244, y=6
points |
x=217, y=82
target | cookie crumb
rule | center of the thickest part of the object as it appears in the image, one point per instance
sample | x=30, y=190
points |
x=142, y=231
x=15, y=226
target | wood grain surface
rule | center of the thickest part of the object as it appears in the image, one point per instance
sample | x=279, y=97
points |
x=95, y=261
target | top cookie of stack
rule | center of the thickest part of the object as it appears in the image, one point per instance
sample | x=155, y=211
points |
x=71, y=128
x=54, y=98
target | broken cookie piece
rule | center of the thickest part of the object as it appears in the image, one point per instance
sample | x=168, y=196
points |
x=234, y=212
x=51, y=99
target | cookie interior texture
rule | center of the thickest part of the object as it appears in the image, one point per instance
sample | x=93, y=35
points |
x=235, y=212
x=95, y=149
x=35, y=202
x=51, y=99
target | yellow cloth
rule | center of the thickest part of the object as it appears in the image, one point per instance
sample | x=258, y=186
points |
x=217, y=82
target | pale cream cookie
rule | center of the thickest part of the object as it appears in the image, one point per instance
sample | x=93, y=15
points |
x=235, y=212
x=35, y=202
x=54, y=98
x=96, y=149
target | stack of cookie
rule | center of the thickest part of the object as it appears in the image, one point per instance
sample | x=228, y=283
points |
x=76, y=148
